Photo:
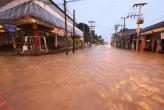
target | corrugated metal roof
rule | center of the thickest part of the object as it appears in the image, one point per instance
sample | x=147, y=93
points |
x=128, y=32
x=131, y=32
x=36, y=11
x=155, y=26
x=4, y=2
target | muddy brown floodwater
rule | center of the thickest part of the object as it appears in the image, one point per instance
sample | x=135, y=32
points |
x=100, y=78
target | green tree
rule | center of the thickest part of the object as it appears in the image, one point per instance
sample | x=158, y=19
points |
x=90, y=35
x=86, y=30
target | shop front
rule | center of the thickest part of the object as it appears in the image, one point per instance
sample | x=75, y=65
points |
x=153, y=38
x=152, y=42
x=31, y=25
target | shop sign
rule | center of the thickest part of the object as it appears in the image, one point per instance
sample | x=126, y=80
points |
x=162, y=35
x=56, y=30
x=61, y=32
x=9, y=28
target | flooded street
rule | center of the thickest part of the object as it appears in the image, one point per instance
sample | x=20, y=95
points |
x=100, y=78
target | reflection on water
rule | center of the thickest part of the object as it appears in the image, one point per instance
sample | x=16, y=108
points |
x=100, y=78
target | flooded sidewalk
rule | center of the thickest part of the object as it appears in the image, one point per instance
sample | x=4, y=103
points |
x=99, y=78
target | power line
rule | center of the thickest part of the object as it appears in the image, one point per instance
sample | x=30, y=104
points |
x=65, y=17
x=124, y=18
x=139, y=21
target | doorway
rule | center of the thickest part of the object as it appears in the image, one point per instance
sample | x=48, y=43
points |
x=6, y=43
x=155, y=46
x=162, y=45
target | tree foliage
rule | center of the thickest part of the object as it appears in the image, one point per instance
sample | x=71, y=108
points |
x=90, y=35
x=86, y=30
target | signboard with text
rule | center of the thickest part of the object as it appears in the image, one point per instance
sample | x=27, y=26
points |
x=162, y=35
x=9, y=28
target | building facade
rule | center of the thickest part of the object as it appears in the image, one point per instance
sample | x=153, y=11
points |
x=124, y=39
x=38, y=24
x=153, y=38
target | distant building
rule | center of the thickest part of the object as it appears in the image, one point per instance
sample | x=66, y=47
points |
x=124, y=39
x=151, y=38
x=21, y=18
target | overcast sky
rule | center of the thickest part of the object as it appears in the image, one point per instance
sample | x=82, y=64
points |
x=107, y=13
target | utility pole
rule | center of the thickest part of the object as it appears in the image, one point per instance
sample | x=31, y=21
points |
x=133, y=16
x=140, y=20
x=92, y=28
x=116, y=37
x=92, y=25
x=65, y=18
x=123, y=30
x=84, y=33
x=66, y=33
x=116, y=27
x=73, y=31
x=124, y=18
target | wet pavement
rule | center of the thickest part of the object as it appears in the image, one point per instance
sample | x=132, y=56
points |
x=100, y=78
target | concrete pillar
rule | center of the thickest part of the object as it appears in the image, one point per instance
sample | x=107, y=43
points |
x=152, y=44
x=45, y=44
x=158, y=46
x=36, y=39
x=56, y=41
x=143, y=44
x=132, y=45
x=13, y=40
x=40, y=47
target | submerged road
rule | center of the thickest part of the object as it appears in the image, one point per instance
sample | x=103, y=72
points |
x=100, y=78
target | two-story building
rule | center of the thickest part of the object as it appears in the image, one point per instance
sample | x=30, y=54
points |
x=36, y=23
